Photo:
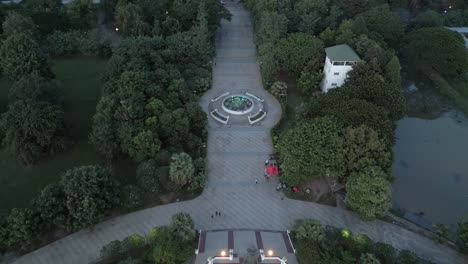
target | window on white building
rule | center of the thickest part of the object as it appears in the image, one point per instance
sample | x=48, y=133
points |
x=336, y=73
x=333, y=84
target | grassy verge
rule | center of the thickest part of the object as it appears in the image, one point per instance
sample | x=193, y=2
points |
x=295, y=98
x=81, y=87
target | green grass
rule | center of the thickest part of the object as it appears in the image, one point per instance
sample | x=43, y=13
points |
x=81, y=87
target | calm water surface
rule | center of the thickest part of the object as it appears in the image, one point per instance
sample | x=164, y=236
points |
x=431, y=160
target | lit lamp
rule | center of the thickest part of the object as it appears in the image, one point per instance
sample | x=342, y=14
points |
x=224, y=256
x=270, y=256
x=116, y=29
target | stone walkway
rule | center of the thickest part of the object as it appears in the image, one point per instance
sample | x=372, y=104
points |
x=236, y=156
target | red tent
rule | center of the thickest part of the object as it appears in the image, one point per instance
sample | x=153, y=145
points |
x=272, y=170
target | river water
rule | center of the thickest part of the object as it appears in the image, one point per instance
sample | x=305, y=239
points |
x=431, y=158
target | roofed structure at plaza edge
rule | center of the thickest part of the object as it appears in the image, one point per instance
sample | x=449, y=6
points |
x=339, y=61
x=241, y=246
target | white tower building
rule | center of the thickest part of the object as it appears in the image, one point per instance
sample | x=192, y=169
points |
x=340, y=60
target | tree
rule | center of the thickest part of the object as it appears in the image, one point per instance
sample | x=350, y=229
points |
x=429, y=18
x=385, y=23
x=183, y=227
x=311, y=230
x=181, y=169
x=24, y=227
x=146, y=144
x=16, y=23
x=328, y=37
x=299, y=51
x=271, y=27
x=462, y=234
x=90, y=194
x=354, y=112
x=376, y=90
x=368, y=258
x=309, y=82
x=32, y=129
x=51, y=205
x=20, y=55
x=369, y=194
x=362, y=148
x=438, y=49
x=280, y=91
x=37, y=88
x=44, y=5
x=310, y=150
x=392, y=71
x=82, y=13
x=103, y=132
x=129, y=19
x=345, y=34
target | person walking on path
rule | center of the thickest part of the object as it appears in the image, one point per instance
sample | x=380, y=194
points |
x=256, y=181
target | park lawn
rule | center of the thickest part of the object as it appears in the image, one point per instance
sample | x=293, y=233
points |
x=81, y=88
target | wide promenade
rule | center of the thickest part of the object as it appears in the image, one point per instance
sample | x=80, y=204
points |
x=236, y=157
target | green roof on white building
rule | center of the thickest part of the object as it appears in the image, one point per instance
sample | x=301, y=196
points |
x=341, y=53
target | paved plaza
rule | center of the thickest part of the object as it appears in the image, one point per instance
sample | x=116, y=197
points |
x=236, y=157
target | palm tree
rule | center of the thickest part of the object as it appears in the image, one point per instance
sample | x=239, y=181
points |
x=181, y=169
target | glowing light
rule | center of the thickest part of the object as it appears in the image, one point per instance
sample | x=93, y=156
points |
x=167, y=12
x=223, y=253
x=116, y=29
x=345, y=233
x=270, y=252
x=450, y=6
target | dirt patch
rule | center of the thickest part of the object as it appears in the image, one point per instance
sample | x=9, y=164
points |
x=317, y=188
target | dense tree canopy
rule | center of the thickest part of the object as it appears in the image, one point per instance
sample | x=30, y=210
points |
x=299, y=52
x=90, y=194
x=16, y=23
x=311, y=149
x=20, y=55
x=355, y=112
x=32, y=129
x=439, y=49
x=368, y=193
x=183, y=227
x=24, y=227
x=37, y=88
x=429, y=18
x=382, y=21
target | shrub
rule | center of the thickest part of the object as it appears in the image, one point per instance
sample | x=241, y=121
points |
x=462, y=233
x=385, y=252
x=198, y=183
x=133, y=242
x=131, y=196
x=24, y=227
x=147, y=177
x=368, y=258
x=183, y=227
x=95, y=42
x=51, y=205
x=114, y=248
x=280, y=91
x=310, y=229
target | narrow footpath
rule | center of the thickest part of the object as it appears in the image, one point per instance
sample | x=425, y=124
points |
x=236, y=157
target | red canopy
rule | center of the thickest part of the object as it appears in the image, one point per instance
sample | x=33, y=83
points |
x=272, y=170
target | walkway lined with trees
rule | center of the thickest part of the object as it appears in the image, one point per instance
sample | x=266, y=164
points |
x=236, y=156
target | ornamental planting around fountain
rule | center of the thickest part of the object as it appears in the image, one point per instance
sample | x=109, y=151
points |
x=238, y=108
x=237, y=104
